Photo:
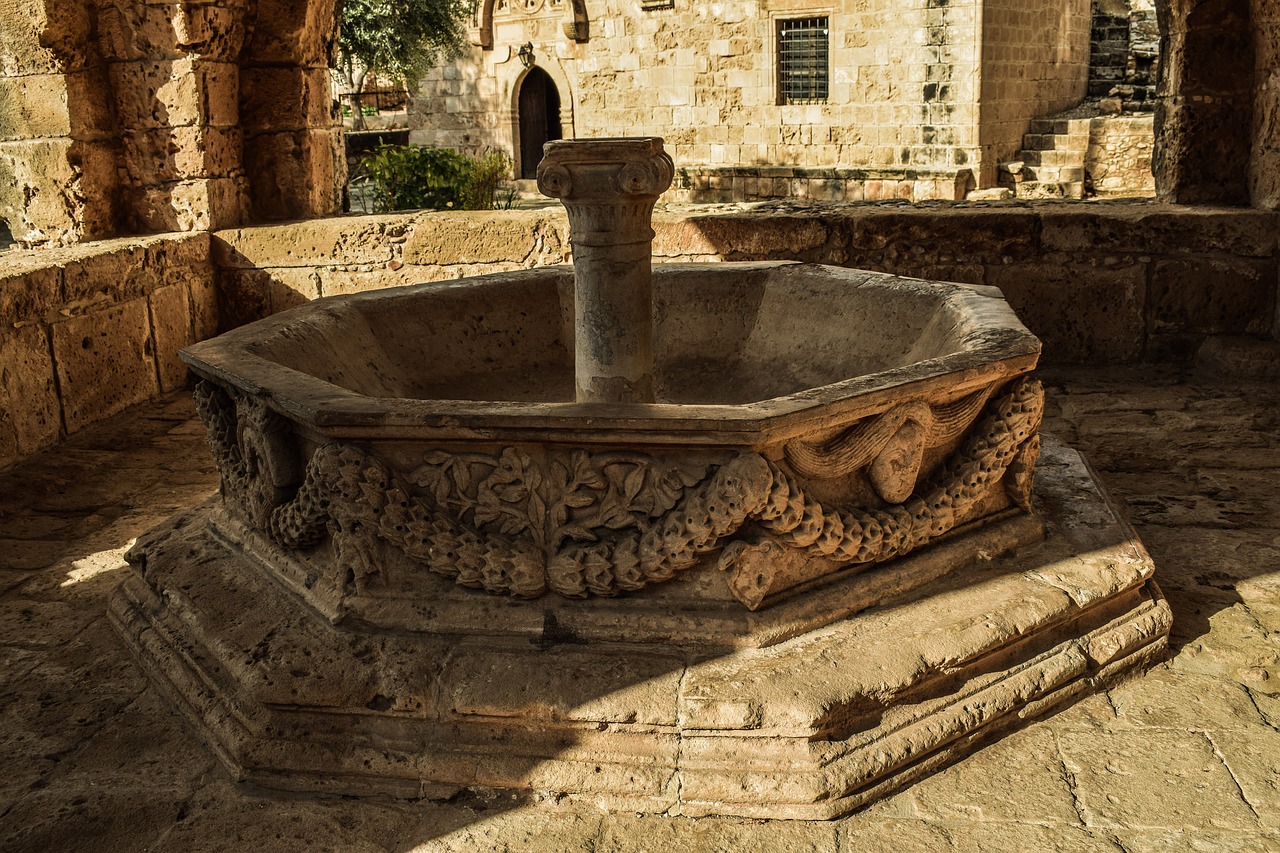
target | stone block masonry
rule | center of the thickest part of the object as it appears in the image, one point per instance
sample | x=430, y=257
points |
x=145, y=118
x=907, y=86
x=1100, y=283
x=1118, y=159
x=89, y=331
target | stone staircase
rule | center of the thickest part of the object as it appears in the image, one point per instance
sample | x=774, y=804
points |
x=1051, y=162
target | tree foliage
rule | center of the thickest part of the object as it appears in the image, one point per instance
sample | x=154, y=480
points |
x=399, y=39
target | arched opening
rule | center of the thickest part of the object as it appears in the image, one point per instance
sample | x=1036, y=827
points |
x=539, y=116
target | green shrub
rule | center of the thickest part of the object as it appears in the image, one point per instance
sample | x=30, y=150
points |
x=413, y=177
x=491, y=171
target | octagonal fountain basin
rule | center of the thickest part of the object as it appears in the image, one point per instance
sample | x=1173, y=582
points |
x=735, y=345
x=757, y=539
x=810, y=422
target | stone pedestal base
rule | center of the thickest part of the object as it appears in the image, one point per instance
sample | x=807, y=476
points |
x=811, y=726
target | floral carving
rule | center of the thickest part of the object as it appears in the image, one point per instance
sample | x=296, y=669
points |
x=575, y=496
x=600, y=524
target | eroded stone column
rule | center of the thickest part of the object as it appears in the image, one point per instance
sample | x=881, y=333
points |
x=609, y=187
x=1204, y=102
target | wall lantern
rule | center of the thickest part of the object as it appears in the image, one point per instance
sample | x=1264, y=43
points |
x=526, y=54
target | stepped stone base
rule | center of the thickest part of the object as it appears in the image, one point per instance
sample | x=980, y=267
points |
x=810, y=726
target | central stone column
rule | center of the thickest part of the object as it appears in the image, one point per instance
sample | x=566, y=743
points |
x=609, y=187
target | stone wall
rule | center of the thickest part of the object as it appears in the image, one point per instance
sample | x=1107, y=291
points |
x=58, y=175
x=269, y=268
x=1125, y=51
x=87, y=331
x=90, y=330
x=906, y=81
x=1206, y=100
x=1118, y=161
x=1109, y=51
x=1099, y=283
x=1035, y=62
x=709, y=184
x=121, y=117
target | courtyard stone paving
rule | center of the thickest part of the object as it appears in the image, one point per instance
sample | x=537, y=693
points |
x=1186, y=757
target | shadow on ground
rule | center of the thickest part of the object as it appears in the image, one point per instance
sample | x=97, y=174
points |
x=93, y=759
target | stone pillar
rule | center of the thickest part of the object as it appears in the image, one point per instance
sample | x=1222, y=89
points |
x=58, y=177
x=294, y=158
x=608, y=187
x=1204, y=103
x=175, y=79
x=1265, y=167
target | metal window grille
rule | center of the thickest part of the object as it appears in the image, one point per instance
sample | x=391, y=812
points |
x=802, y=61
x=657, y=5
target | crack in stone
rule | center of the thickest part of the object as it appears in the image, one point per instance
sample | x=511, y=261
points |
x=1239, y=789
x=678, y=771
x=1070, y=779
x=1266, y=719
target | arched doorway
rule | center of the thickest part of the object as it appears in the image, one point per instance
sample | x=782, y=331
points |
x=539, y=109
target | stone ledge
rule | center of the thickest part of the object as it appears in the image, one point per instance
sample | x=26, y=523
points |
x=88, y=330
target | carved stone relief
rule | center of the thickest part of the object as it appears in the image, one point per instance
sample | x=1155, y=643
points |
x=581, y=523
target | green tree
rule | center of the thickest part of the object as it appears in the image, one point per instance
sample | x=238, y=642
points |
x=398, y=39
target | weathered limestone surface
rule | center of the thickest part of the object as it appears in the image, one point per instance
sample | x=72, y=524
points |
x=143, y=123
x=90, y=330
x=1118, y=159
x=832, y=718
x=907, y=85
x=1097, y=282
x=94, y=757
x=1156, y=278
x=1264, y=160
x=1207, y=84
x=58, y=181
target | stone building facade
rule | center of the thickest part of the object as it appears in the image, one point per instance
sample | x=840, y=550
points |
x=861, y=99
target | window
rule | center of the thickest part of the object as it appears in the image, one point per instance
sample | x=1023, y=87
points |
x=802, y=61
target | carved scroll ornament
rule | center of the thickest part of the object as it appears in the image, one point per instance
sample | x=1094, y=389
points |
x=584, y=523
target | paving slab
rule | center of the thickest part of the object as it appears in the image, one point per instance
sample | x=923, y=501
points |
x=1172, y=761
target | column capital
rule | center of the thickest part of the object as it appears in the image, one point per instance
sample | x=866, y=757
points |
x=608, y=186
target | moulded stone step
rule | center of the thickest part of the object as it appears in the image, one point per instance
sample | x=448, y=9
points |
x=1060, y=125
x=1042, y=141
x=1049, y=189
x=1057, y=157
x=1055, y=141
x=1038, y=189
x=1053, y=173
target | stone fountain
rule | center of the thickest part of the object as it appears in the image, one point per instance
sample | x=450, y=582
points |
x=762, y=539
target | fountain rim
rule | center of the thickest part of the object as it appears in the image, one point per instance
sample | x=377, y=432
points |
x=999, y=346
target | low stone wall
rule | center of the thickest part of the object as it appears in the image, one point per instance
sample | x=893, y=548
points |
x=267, y=269
x=87, y=331
x=1099, y=283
